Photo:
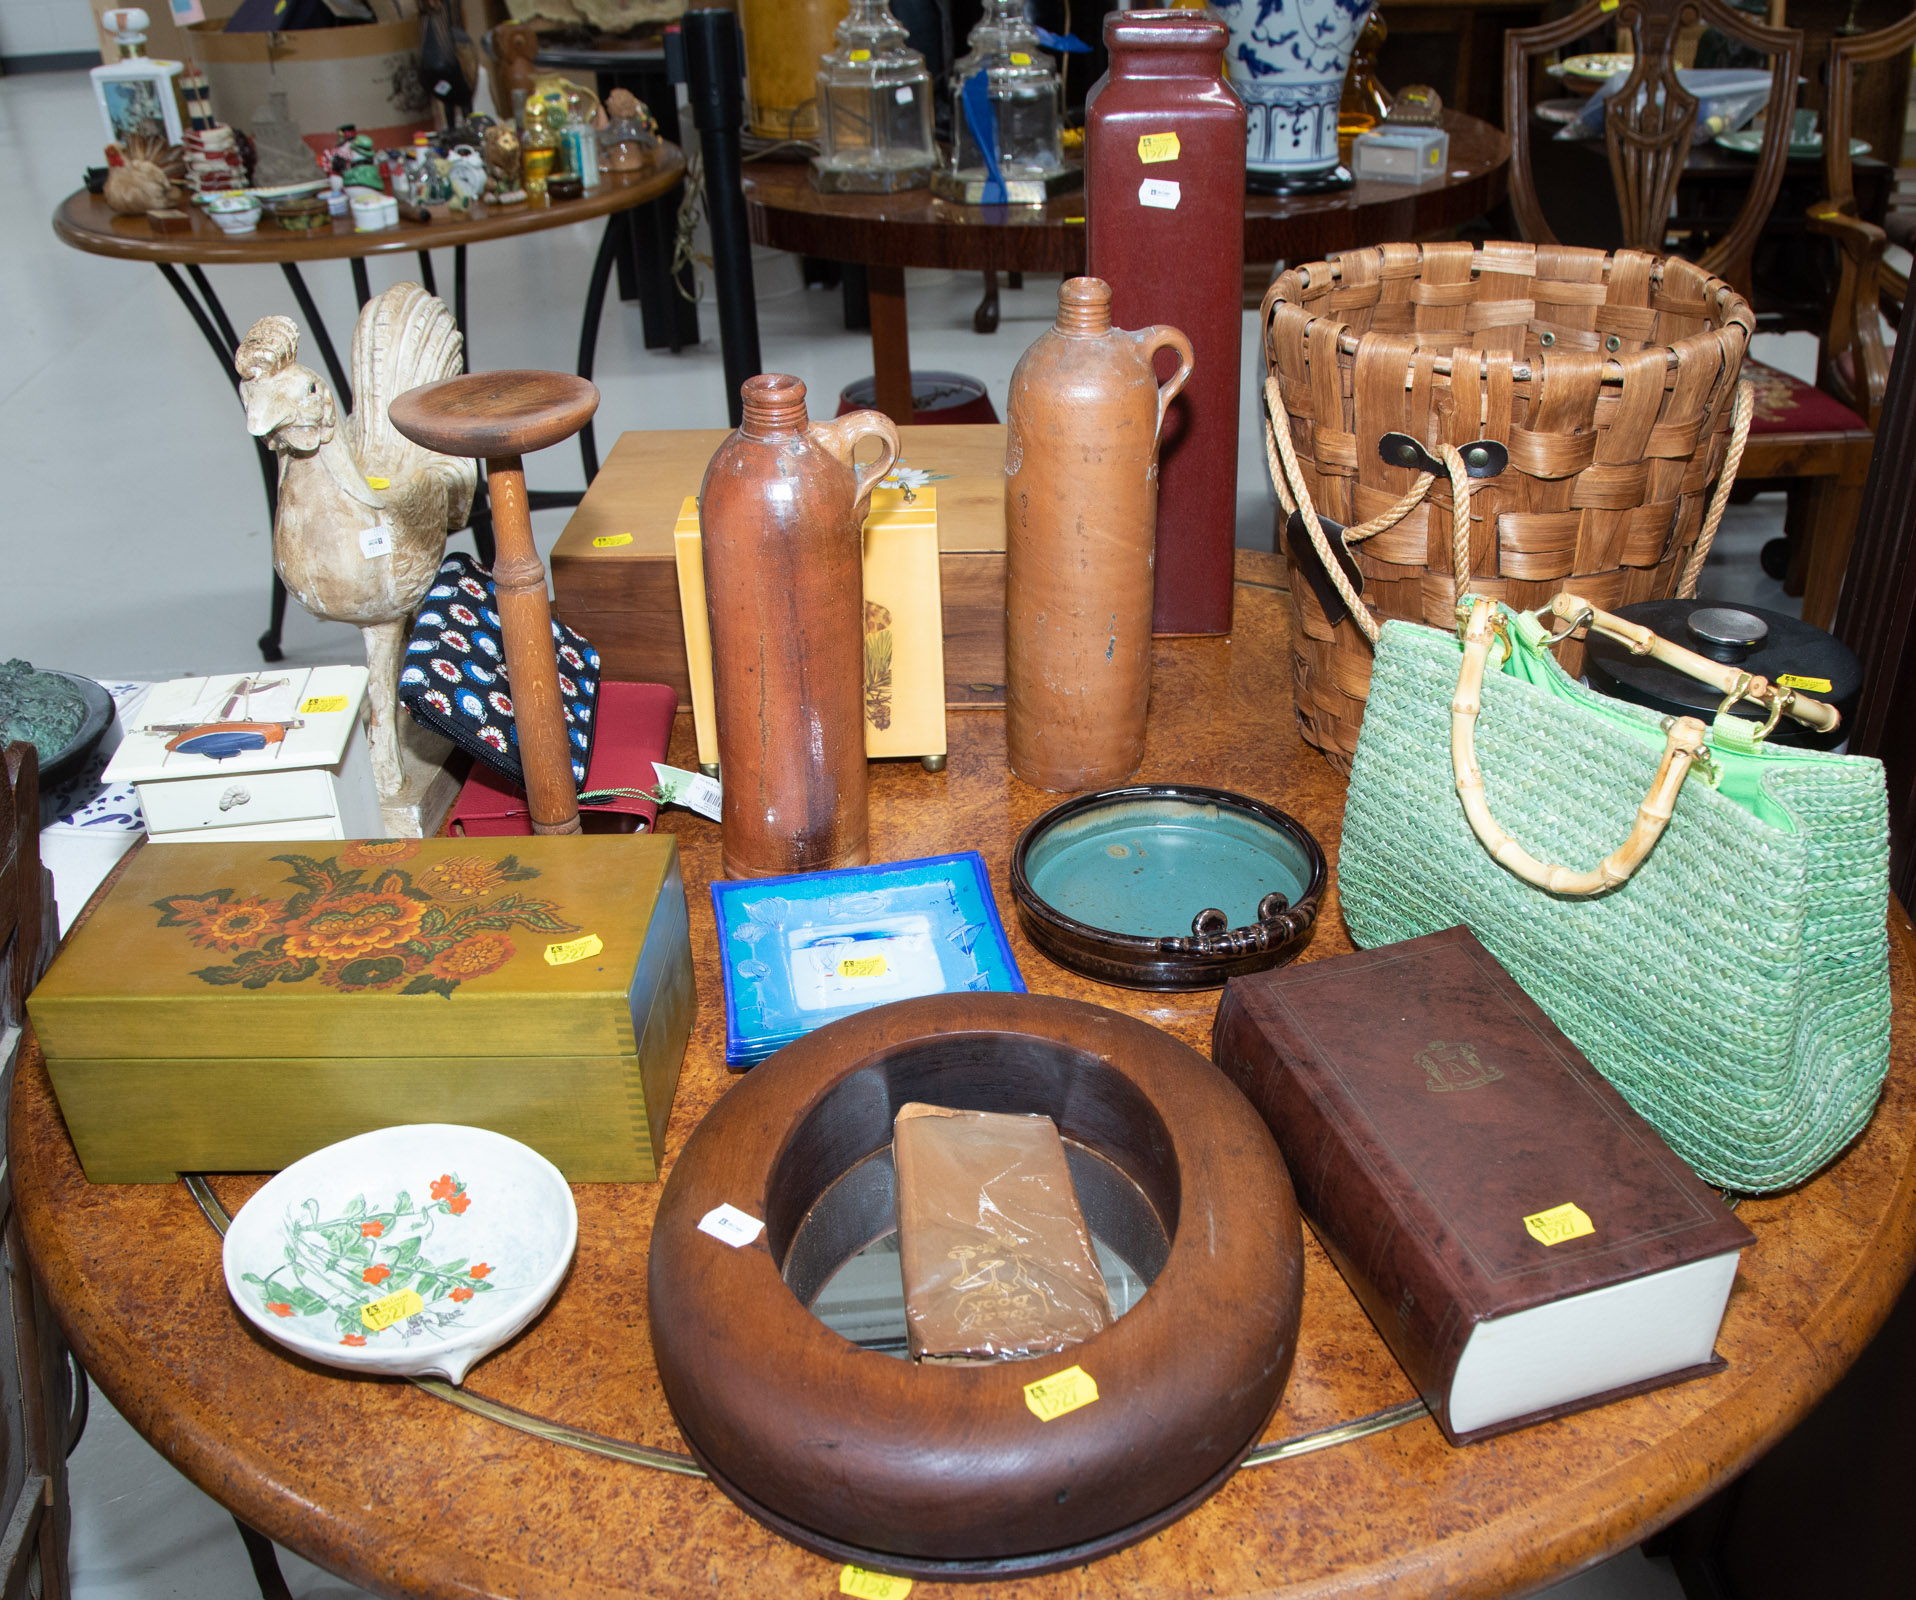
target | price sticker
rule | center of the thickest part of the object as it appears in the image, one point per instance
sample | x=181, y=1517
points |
x=1791, y=680
x=1020, y=59
x=861, y=55
x=376, y=541
x=611, y=541
x=868, y=1585
x=1060, y=1394
x=729, y=1225
x=862, y=967
x=1609, y=5
x=1157, y=147
x=319, y=704
x=379, y=483
x=903, y=96
x=563, y=955
x=693, y=790
x=382, y=1314
x=1559, y=1223
x=1159, y=193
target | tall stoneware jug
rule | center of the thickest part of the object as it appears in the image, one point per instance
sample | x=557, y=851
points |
x=781, y=517
x=1164, y=213
x=1081, y=505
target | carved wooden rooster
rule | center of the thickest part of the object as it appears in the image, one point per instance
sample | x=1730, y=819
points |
x=363, y=511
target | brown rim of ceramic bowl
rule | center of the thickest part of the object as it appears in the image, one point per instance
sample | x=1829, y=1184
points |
x=944, y=1471
x=1198, y=960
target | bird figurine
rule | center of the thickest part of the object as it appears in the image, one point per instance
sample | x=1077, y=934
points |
x=146, y=178
x=363, y=511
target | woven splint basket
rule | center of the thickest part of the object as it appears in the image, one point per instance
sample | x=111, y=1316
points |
x=1610, y=379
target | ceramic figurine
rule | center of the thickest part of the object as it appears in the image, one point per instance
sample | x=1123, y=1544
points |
x=1081, y=502
x=468, y=172
x=630, y=134
x=363, y=512
x=355, y=161
x=782, y=510
x=513, y=47
x=504, y=184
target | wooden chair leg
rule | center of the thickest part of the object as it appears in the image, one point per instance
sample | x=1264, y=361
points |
x=1800, y=495
x=1829, y=528
x=985, y=318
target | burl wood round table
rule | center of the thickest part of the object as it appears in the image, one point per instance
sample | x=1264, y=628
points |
x=406, y=1494
x=85, y=222
x=890, y=232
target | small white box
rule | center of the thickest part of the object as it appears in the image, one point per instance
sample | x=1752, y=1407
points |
x=316, y=782
x=1400, y=155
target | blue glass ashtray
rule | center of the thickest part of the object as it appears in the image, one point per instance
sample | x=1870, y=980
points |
x=803, y=951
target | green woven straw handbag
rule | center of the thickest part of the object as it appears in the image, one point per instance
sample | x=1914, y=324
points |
x=1725, y=965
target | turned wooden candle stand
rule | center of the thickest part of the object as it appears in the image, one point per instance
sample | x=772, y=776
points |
x=502, y=416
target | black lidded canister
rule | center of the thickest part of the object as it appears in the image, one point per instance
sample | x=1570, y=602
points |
x=1784, y=649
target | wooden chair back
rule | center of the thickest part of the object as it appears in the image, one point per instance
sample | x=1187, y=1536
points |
x=1854, y=363
x=1650, y=122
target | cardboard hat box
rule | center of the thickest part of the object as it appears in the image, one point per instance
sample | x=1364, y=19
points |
x=367, y=76
x=233, y=1007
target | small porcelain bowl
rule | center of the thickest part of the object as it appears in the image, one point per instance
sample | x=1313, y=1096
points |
x=242, y=219
x=409, y=1250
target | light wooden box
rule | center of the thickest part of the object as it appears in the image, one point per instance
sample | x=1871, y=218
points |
x=614, y=577
x=237, y=1006
x=904, y=642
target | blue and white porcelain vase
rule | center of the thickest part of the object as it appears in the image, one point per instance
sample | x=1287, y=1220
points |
x=1287, y=62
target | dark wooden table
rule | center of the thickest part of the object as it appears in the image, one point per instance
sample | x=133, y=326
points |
x=84, y=221
x=407, y=1495
x=888, y=233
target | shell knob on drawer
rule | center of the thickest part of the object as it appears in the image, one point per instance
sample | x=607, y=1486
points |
x=236, y=795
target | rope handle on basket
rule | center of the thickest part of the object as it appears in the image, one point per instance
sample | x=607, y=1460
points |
x=1683, y=746
x=1295, y=496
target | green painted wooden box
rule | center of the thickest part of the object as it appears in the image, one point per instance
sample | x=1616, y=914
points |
x=232, y=1007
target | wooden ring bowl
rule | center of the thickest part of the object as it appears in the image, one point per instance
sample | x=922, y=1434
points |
x=943, y=1471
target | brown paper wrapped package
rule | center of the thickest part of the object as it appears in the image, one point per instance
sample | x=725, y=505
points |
x=997, y=1260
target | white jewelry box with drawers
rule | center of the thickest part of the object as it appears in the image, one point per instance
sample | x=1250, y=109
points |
x=314, y=782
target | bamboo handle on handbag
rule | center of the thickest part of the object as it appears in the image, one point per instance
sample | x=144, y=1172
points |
x=1640, y=641
x=1684, y=745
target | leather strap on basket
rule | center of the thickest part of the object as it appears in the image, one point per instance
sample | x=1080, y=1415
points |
x=1287, y=475
x=1295, y=496
x=1683, y=746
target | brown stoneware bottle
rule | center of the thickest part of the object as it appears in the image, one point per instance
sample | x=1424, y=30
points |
x=1164, y=209
x=781, y=517
x=1081, y=505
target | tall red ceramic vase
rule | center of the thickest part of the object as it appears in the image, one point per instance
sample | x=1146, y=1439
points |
x=1164, y=209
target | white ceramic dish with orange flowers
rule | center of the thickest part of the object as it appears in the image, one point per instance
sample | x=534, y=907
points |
x=412, y=1250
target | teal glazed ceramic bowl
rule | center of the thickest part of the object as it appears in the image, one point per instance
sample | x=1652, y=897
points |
x=1167, y=886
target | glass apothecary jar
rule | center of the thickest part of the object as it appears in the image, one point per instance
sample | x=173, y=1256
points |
x=874, y=108
x=1007, y=104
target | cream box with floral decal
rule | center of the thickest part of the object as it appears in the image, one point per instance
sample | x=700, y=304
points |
x=236, y=1006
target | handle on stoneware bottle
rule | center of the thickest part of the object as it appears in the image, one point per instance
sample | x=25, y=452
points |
x=841, y=437
x=1162, y=338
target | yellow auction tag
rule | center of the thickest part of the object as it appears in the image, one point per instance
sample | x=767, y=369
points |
x=862, y=967
x=559, y=955
x=867, y=1585
x=1559, y=1223
x=1157, y=147
x=382, y=1314
x=861, y=55
x=378, y=483
x=313, y=705
x=1791, y=680
x=608, y=541
x=1061, y=1393
x=1609, y=5
x=1019, y=59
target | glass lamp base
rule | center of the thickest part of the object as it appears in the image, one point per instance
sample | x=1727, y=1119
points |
x=868, y=180
x=968, y=187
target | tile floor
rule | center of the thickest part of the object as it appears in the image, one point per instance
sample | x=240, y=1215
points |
x=136, y=546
